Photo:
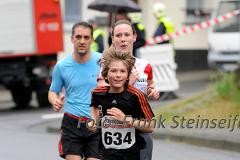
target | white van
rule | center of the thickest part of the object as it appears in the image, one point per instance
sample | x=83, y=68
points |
x=224, y=38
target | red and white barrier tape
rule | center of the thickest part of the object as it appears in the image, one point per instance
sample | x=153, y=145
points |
x=192, y=28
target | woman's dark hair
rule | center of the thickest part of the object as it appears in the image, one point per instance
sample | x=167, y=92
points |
x=122, y=22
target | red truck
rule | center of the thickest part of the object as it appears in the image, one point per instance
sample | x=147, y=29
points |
x=30, y=37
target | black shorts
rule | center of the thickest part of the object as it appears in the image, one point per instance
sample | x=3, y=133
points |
x=77, y=140
x=129, y=157
x=132, y=153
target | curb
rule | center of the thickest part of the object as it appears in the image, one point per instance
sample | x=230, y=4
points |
x=54, y=126
x=50, y=129
x=199, y=141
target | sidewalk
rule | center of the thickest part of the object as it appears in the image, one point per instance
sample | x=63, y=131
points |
x=194, y=75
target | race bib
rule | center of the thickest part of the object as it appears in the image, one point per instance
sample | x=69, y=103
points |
x=116, y=135
x=141, y=83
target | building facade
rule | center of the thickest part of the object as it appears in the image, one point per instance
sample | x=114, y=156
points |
x=191, y=49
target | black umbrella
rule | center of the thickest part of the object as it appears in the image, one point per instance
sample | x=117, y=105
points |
x=114, y=6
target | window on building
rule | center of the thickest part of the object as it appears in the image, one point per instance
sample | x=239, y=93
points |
x=72, y=10
x=196, y=11
x=231, y=25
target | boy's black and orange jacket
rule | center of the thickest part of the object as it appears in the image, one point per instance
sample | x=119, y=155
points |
x=131, y=102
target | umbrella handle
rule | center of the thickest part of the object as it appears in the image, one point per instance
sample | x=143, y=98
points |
x=113, y=18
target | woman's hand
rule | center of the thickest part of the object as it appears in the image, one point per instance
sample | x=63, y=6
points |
x=133, y=76
x=153, y=93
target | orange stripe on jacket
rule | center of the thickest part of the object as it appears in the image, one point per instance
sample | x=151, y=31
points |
x=143, y=102
x=100, y=89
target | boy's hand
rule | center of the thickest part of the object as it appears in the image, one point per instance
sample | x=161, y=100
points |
x=116, y=114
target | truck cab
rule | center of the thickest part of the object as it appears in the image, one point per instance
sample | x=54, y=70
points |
x=30, y=38
x=224, y=38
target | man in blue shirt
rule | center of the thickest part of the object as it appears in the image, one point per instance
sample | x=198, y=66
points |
x=77, y=74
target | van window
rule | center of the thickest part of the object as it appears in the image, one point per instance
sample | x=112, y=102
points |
x=232, y=24
x=196, y=11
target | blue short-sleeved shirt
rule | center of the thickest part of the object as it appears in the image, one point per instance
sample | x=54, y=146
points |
x=78, y=81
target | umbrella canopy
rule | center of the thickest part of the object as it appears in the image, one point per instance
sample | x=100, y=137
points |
x=114, y=6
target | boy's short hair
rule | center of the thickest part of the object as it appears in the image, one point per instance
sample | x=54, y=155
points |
x=110, y=55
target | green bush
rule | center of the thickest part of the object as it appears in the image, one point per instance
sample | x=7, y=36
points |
x=224, y=84
x=227, y=87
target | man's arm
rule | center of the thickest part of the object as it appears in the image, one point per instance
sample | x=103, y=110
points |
x=56, y=100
